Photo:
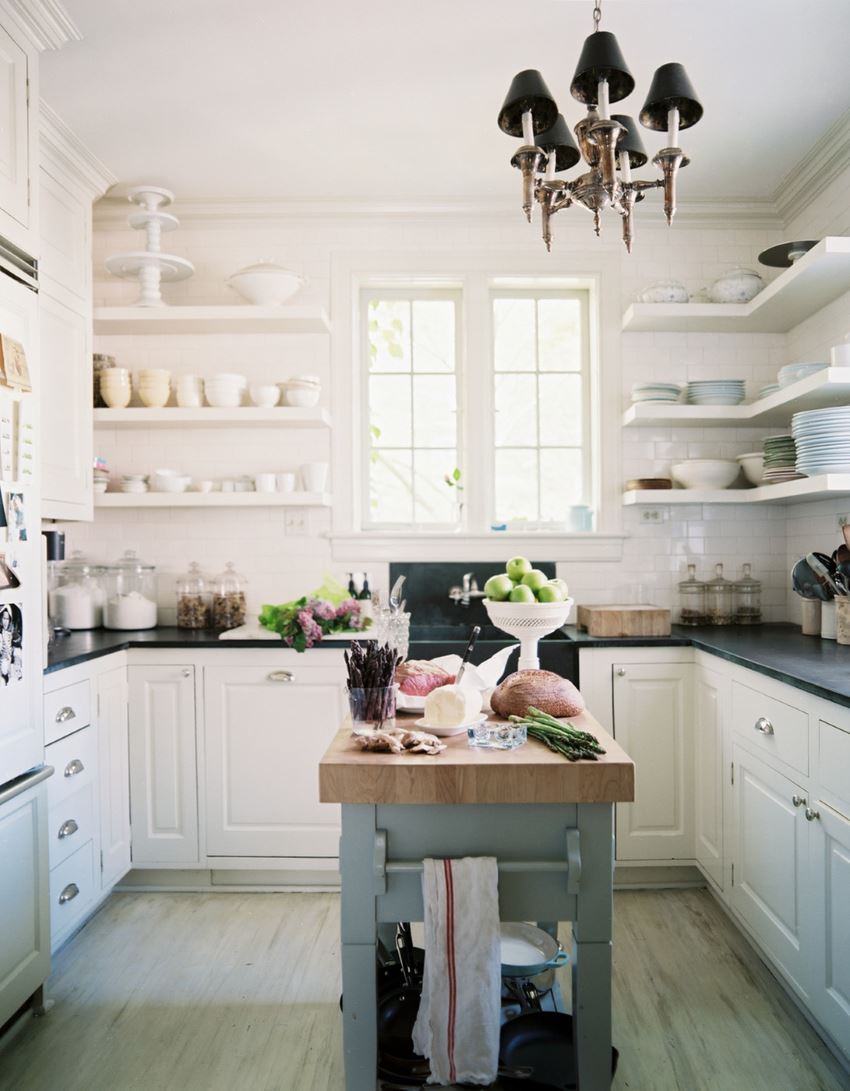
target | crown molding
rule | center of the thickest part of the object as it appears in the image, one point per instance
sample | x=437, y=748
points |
x=824, y=162
x=73, y=155
x=47, y=22
x=111, y=212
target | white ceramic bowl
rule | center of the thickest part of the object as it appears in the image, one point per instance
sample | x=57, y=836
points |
x=302, y=398
x=266, y=396
x=117, y=397
x=664, y=291
x=706, y=473
x=224, y=399
x=154, y=398
x=177, y=483
x=266, y=284
x=304, y=380
x=753, y=466
x=736, y=286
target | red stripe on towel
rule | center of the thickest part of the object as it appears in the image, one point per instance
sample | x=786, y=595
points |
x=450, y=960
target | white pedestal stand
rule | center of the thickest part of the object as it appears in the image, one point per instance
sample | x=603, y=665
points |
x=528, y=622
x=150, y=266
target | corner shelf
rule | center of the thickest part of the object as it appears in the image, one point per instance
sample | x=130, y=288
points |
x=247, y=416
x=212, y=500
x=210, y=319
x=808, y=489
x=825, y=388
x=813, y=281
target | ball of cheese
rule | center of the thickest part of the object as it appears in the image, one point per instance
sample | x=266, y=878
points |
x=449, y=706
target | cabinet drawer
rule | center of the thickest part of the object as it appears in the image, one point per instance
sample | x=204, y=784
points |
x=75, y=762
x=66, y=710
x=72, y=890
x=773, y=728
x=70, y=823
x=834, y=766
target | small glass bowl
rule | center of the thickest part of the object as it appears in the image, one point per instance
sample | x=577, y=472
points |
x=491, y=735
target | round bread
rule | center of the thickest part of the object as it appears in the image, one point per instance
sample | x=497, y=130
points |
x=547, y=691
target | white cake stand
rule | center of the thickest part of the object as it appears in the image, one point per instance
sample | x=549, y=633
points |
x=528, y=622
x=150, y=266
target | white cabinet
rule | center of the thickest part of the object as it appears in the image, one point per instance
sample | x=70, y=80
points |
x=771, y=855
x=711, y=691
x=16, y=138
x=66, y=411
x=830, y=908
x=653, y=722
x=113, y=776
x=163, y=775
x=64, y=220
x=265, y=731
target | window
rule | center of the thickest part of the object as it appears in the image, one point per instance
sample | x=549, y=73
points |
x=412, y=408
x=500, y=437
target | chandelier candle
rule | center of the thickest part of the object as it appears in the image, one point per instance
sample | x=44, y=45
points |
x=610, y=144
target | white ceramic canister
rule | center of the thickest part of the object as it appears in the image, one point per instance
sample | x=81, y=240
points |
x=810, y=611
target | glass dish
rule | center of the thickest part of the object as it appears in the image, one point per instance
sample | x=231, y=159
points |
x=493, y=735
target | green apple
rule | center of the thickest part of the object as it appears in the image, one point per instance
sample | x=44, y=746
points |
x=517, y=567
x=498, y=587
x=535, y=579
x=550, y=592
x=563, y=585
x=521, y=593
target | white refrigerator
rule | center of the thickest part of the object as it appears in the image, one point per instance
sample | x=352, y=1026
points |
x=24, y=902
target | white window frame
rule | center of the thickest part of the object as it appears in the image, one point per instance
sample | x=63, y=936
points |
x=413, y=293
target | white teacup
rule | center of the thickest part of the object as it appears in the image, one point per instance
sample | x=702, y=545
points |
x=285, y=482
x=264, y=482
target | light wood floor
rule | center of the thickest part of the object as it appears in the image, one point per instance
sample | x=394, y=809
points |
x=238, y=992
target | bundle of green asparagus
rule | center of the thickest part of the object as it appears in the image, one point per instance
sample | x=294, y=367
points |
x=563, y=738
x=371, y=672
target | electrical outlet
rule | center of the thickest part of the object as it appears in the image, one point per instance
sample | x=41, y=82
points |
x=652, y=515
x=296, y=522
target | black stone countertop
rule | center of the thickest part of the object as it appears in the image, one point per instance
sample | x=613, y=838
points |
x=780, y=651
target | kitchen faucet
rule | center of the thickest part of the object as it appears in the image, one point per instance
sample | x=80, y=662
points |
x=461, y=596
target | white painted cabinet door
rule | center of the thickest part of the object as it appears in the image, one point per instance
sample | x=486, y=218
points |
x=830, y=908
x=770, y=860
x=163, y=769
x=653, y=721
x=15, y=151
x=711, y=692
x=114, y=773
x=66, y=411
x=264, y=736
x=64, y=227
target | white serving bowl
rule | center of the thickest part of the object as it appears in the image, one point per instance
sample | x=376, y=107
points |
x=301, y=397
x=176, y=483
x=706, y=473
x=664, y=291
x=266, y=284
x=753, y=466
x=221, y=400
x=266, y=396
x=304, y=380
x=736, y=286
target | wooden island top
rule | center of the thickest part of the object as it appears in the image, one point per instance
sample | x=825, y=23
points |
x=464, y=774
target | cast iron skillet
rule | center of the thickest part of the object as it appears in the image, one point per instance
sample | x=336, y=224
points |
x=542, y=1041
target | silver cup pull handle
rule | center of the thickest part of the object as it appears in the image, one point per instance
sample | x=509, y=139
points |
x=764, y=725
x=74, y=768
x=69, y=893
x=67, y=828
x=65, y=714
x=280, y=676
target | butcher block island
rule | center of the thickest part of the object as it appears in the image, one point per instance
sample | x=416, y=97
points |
x=548, y=821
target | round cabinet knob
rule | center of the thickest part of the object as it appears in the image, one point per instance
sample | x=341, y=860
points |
x=798, y=801
x=763, y=725
x=621, y=672
x=811, y=815
x=187, y=672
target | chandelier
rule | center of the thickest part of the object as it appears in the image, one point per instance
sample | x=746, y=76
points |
x=610, y=144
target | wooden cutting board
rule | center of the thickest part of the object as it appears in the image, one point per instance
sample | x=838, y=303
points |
x=632, y=620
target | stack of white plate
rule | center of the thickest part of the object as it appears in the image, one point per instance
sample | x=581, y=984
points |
x=716, y=392
x=780, y=457
x=656, y=392
x=770, y=388
x=134, y=483
x=822, y=437
x=793, y=373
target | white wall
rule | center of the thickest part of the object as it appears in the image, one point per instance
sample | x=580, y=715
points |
x=283, y=560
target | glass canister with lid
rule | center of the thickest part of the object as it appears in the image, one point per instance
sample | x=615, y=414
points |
x=747, y=592
x=692, y=599
x=77, y=594
x=193, y=600
x=131, y=593
x=229, y=606
x=719, y=598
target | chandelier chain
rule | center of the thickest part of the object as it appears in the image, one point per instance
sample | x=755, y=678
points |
x=597, y=14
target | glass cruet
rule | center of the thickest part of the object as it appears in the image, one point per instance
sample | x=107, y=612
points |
x=747, y=598
x=692, y=599
x=719, y=598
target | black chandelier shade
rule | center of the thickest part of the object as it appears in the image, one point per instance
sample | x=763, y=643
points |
x=601, y=59
x=528, y=91
x=631, y=142
x=559, y=140
x=670, y=88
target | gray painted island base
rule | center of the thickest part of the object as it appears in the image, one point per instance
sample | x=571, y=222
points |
x=556, y=863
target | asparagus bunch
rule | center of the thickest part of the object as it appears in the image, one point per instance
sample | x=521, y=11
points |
x=371, y=669
x=562, y=738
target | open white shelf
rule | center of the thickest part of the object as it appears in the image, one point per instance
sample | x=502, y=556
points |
x=214, y=319
x=821, y=487
x=249, y=416
x=212, y=500
x=817, y=278
x=828, y=387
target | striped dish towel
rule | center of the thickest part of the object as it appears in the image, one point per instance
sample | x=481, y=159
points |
x=457, y=1026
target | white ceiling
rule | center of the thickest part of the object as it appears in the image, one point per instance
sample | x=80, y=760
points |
x=397, y=99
